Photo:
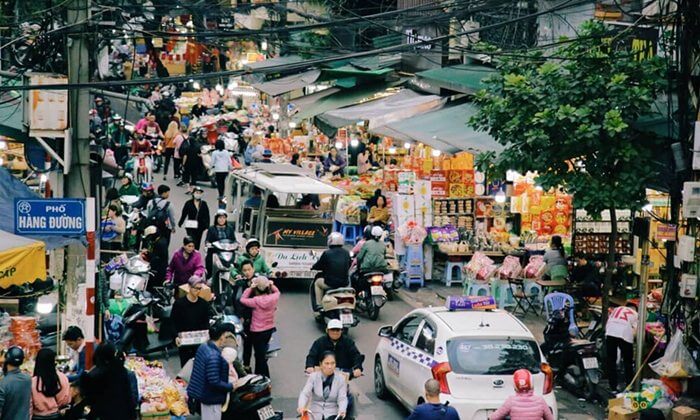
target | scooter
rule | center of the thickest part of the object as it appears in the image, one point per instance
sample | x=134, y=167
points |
x=129, y=275
x=206, y=151
x=574, y=362
x=371, y=294
x=157, y=156
x=391, y=284
x=222, y=259
x=136, y=337
x=336, y=304
x=251, y=400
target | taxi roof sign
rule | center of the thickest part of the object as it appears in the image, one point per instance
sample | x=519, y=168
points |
x=470, y=303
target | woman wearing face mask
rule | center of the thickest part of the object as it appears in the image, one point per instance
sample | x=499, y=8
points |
x=221, y=230
x=325, y=395
x=185, y=263
x=195, y=216
x=262, y=297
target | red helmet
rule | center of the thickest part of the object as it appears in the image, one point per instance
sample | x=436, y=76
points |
x=522, y=379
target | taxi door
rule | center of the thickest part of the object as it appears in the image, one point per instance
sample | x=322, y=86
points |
x=397, y=369
x=420, y=361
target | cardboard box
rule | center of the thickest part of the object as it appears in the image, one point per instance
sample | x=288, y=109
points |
x=685, y=413
x=622, y=413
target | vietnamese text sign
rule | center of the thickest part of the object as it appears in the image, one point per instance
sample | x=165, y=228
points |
x=49, y=216
x=297, y=233
x=665, y=232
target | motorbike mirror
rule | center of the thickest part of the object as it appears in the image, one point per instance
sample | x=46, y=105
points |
x=386, y=331
x=274, y=264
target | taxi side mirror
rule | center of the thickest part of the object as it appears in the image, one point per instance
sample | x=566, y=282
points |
x=386, y=331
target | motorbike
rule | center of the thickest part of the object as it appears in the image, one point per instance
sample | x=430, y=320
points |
x=136, y=337
x=336, y=304
x=371, y=294
x=222, y=259
x=206, y=151
x=391, y=284
x=157, y=156
x=134, y=218
x=129, y=275
x=574, y=361
x=251, y=400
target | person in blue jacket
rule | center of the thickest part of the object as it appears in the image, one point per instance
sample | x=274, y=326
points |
x=432, y=408
x=209, y=383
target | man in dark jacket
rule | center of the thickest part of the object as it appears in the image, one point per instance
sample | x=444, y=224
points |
x=15, y=388
x=209, y=381
x=334, y=266
x=348, y=357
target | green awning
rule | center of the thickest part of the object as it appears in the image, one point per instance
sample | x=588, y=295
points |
x=445, y=130
x=327, y=100
x=464, y=78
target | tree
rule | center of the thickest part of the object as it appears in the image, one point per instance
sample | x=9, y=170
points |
x=569, y=117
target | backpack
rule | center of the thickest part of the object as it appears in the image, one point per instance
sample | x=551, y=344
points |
x=158, y=216
x=184, y=147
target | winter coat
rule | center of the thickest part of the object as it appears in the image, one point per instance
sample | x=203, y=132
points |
x=209, y=381
x=190, y=212
x=334, y=263
x=347, y=356
x=311, y=397
x=43, y=405
x=15, y=396
x=523, y=406
x=180, y=269
x=213, y=234
x=129, y=189
x=264, y=308
x=259, y=264
x=372, y=257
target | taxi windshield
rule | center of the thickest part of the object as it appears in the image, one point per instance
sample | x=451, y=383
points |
x=503, y=356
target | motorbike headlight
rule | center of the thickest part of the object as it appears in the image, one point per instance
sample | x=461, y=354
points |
x=227, y=256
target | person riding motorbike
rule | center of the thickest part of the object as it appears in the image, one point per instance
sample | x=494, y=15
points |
x=524, y=404
x=372, y=256
x=334, y=265
x=147, y=194
x=366, y=235
x=221, y=230
x=252, y=254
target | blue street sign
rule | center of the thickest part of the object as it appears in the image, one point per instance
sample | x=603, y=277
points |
x=49, y=216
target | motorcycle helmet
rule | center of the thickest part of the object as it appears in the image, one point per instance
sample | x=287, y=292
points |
x=221, y=212
x=251, y=243
x=336, y=239
x=151, y=230
x=14, y=356
x=267, y=153
x=367, y=232
x=522, y=380
x=377, y=232
x=116, y=118
x=147, y=186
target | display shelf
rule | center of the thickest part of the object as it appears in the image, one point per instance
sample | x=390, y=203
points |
x=591, y=235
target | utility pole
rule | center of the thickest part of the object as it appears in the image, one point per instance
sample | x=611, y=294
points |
x=80, y=276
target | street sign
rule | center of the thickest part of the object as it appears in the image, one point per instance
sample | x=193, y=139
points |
x=49, y=216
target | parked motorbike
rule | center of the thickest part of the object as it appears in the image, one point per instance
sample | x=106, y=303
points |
x=336, y=304
x=574, y=362
x=251, y=400
x=222, y=259
x=371, y=294
x=135, y=336
x=130, y=276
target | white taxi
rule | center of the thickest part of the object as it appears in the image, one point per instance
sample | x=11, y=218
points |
x=472, y=353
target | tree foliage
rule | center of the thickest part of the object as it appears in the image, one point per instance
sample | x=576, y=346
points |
x=569, y=118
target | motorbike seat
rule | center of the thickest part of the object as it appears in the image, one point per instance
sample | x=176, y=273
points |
x=575, y=342
x=340, y=290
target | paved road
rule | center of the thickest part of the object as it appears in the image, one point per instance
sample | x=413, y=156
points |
x=297, y=331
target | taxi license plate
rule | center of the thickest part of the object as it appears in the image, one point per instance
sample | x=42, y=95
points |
x=346, y=318
x=590, y=363
x=378, y=290
x=266, y=413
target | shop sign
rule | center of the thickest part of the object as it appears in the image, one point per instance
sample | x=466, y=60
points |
x=665, y=232
x=407, y=180
x=297, y=234
x=438, y=189
x=49, y=216
x=292, y=259
x=438, y=176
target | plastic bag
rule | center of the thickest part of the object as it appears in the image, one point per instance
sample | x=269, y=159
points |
x=676, y=361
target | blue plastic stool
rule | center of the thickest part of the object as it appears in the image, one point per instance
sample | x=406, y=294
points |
x=450, y=276
x=414, y=266
x=502, y=293
x=349, y=232
x=477, y=288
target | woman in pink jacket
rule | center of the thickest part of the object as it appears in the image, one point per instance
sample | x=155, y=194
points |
x=262, y=297
x=50, y=388
x=524, y=405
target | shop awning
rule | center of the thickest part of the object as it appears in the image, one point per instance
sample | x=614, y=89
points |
x=464, y=78
x=445, y=130
x=270, y=63
x=400, y=106
x=22, y=260
x=289, y=83
x=326, y=100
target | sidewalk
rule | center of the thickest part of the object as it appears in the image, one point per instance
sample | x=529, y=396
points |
x=434, y=293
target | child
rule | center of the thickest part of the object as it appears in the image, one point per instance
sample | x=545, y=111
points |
x=230, y=355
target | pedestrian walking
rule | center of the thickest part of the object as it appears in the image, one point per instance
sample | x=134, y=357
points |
x=169, y=146
x=190, y=313
x=15, y=387
x=195, y=216
x=619, y=334
x=221, y=164
x=325, y=395
x=185, y=263
x=177, y=156
x=262, y=297
x=209, y=383
x=109, y=388
x=50, y=388
x=159, y=213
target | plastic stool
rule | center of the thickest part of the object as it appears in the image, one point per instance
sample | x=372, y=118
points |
x=477, y=288
x=450, y=276
x=502, y=293
x=531, y=288
x=350, y=233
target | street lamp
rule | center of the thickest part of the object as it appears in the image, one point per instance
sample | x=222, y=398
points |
x=436, y=153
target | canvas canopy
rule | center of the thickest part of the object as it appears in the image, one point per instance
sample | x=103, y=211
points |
x=22, y=260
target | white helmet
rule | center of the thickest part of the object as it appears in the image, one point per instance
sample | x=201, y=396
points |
x=336, y=239
x=377, y=232
x=151, y=230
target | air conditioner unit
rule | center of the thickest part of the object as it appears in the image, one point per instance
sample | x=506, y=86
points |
x=691, y=199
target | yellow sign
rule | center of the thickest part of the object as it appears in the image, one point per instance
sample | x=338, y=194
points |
x=22, y=264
